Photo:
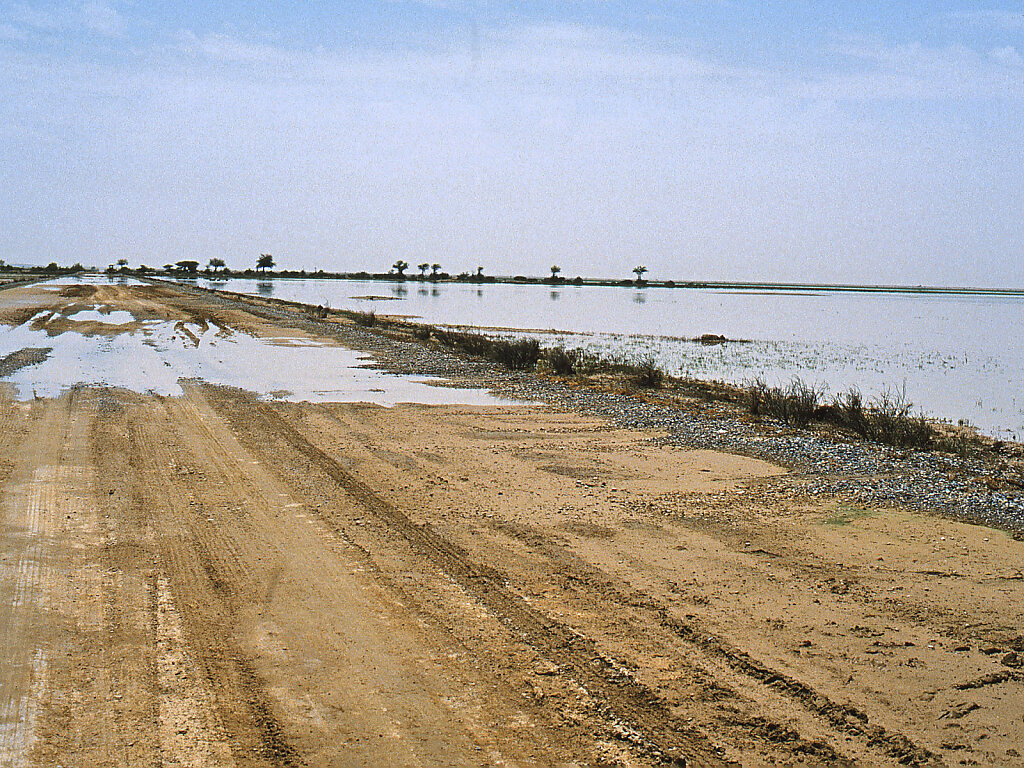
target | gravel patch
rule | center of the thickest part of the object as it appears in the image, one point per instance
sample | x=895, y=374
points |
x=23, y=358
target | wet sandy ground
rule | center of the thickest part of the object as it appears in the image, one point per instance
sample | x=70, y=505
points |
x=214, y=576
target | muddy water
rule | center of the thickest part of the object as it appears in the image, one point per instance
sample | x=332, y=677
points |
x=108, y=346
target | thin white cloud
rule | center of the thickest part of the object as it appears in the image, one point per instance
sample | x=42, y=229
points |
x=230, y=49
x=1007, y=55
x=103, y=19
x=93, y=17
x=1004, y=20
x=11, y=33
x=574, y=59
x=915, y=71
x=25, y=16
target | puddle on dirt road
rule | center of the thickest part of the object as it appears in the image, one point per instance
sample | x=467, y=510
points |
x=103, y=315
x=111, y=347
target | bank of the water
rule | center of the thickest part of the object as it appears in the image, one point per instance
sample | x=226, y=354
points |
x=976, y=489
x=955, y=355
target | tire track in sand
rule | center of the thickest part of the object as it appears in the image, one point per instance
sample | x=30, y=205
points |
x=632, y=710
x=27, y=508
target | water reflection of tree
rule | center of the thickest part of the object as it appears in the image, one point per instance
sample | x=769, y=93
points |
x=639, y=298
x=555, y=295
x=399, y=290
x=265, y=287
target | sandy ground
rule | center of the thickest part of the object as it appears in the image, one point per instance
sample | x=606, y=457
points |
x=215, y=579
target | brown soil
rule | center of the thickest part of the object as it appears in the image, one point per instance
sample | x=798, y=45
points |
x=218, y=580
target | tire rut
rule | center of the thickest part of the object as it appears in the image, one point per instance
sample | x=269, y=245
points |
x=844, y=718
x=633, y=712
x=130, y=458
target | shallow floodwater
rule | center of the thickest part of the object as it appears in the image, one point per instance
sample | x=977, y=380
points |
x=956, y=357
x=115, y=349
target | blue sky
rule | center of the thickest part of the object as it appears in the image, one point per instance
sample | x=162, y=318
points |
x=848, y=142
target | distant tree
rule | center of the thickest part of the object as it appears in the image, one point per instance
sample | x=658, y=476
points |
x=168, y=267
x=186, y=265
x=479, y=271
x=400, y=267
x=423, y=269
x=122, y=263
x=434, y=269
x=216, y=264
x=265, y=262
x=555, y=269
x=639, y=272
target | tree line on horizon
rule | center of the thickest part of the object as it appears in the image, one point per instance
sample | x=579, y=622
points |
x=265, y=265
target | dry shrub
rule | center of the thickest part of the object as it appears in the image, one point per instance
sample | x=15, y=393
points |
x=562, y=361
x=797, y=403
x=365, y=319
x=647, y=374
x=515, y=354
x=888, y=420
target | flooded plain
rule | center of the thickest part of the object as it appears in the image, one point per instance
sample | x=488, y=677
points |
x=956, y=357
x=89, y=342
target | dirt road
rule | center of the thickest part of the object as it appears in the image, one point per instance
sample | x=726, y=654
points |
x=211, y=577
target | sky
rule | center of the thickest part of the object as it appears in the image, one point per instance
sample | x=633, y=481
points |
x=852, y=142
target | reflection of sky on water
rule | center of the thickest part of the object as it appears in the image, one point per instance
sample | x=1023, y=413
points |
x=154, y=356
x=958, y=356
